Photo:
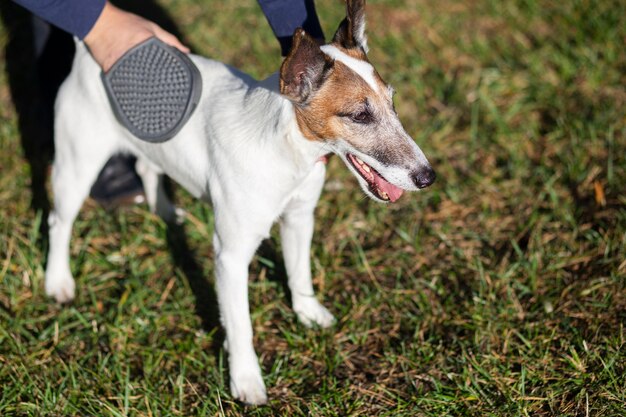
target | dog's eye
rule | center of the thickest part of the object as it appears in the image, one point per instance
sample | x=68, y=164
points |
x=362, y=117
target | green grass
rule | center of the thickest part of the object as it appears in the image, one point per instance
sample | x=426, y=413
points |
x=498, y=291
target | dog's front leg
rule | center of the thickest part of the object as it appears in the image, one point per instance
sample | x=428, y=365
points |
x=232, y=259
x=296, y=231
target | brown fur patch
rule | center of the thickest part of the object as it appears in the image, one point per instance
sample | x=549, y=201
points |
x=344, y=92
x=328, y=115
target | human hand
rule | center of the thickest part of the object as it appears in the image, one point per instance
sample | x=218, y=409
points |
x=116, y=31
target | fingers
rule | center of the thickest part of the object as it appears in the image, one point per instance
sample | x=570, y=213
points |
x=170, y=39
x=116, y=31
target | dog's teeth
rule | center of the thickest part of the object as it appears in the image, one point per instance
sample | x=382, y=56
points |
x=385, y=195
x=358, y=160
x=366, y=168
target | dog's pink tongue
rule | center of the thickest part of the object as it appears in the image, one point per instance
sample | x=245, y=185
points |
x=392, y=191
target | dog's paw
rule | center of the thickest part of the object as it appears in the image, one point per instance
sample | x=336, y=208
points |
x=248, y=387
x=311, y=312
x=61, y=287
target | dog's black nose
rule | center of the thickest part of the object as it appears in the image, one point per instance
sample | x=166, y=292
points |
x=424, y=177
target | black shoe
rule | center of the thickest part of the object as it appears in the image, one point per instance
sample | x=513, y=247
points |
x=118, y=184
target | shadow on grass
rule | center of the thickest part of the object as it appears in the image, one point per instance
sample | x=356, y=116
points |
x=207, y=307
x=276, y=272
x=34, y=77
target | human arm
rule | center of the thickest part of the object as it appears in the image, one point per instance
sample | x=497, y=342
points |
x=73, y=16
x=285, y=16
x=107, y=30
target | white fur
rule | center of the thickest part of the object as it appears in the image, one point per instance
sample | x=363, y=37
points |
x=242, y=150
x=363, y=68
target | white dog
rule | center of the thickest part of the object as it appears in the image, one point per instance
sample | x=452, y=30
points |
x=255, y=149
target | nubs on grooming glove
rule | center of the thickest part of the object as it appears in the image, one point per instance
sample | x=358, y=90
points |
x=153, y=90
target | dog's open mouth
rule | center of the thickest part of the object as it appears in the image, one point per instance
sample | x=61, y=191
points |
x=377, y=185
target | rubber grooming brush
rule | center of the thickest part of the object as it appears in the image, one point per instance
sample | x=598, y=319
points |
x=153, y=90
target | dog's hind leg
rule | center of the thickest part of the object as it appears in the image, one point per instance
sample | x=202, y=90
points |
x=296, y=230
x=156, y=196
x=76, y=166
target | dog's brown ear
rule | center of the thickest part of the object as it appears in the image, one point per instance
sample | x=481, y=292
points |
x=304, y=69
x=351, y=31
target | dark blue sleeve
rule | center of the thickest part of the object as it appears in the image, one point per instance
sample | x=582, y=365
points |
x=74, y=16
x=285, y=16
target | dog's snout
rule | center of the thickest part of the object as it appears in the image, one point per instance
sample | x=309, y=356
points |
x=424, y=177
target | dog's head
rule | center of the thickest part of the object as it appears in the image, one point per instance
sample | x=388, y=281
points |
x=342, y=101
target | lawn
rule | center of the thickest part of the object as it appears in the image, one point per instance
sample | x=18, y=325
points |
x=500, y=290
